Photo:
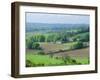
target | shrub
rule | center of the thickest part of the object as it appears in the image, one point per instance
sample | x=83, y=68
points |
x=41, y=53
x=35, y=45
x=29, y=43
x=28, y=63
x=68, y=60
x=78, y=45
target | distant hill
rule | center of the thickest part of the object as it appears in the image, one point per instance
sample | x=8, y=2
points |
x=41, y=27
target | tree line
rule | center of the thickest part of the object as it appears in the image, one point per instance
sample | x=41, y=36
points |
x=63, y=37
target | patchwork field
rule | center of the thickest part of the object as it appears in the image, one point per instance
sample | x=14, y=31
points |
x=57, y=54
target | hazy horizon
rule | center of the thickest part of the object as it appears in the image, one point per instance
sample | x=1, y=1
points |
x=57, y=23
x=50, y=18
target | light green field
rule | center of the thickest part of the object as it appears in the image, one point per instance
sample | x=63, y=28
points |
x=42, y=60
x=45, y=60
x=82, y=60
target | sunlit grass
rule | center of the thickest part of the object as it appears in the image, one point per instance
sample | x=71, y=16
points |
x=42, y=60
x=46, y=60
x=82, y=60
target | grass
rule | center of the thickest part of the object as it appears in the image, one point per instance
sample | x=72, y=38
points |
x=42, y=60
x=46, y=60
x=76, y=57
x=82, y=60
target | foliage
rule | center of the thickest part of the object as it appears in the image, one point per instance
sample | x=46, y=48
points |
x=31, y=44
x=35, y=45
x=38, y=38
x=34, y=40
x=78, y=45
x=81, y=37
x=41, y=53
x=54, y=37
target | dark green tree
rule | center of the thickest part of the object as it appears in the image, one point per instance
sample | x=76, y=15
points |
x=78, y=45
x=29, y=43
x=35, y=45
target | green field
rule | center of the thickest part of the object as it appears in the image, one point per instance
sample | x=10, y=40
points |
x=73, y=57
x=82, y=60
x=42, y=60
x=45, y=60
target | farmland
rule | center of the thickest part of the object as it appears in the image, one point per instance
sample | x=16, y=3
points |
x=80, y=56
x=57, y=54
x=56, y=44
